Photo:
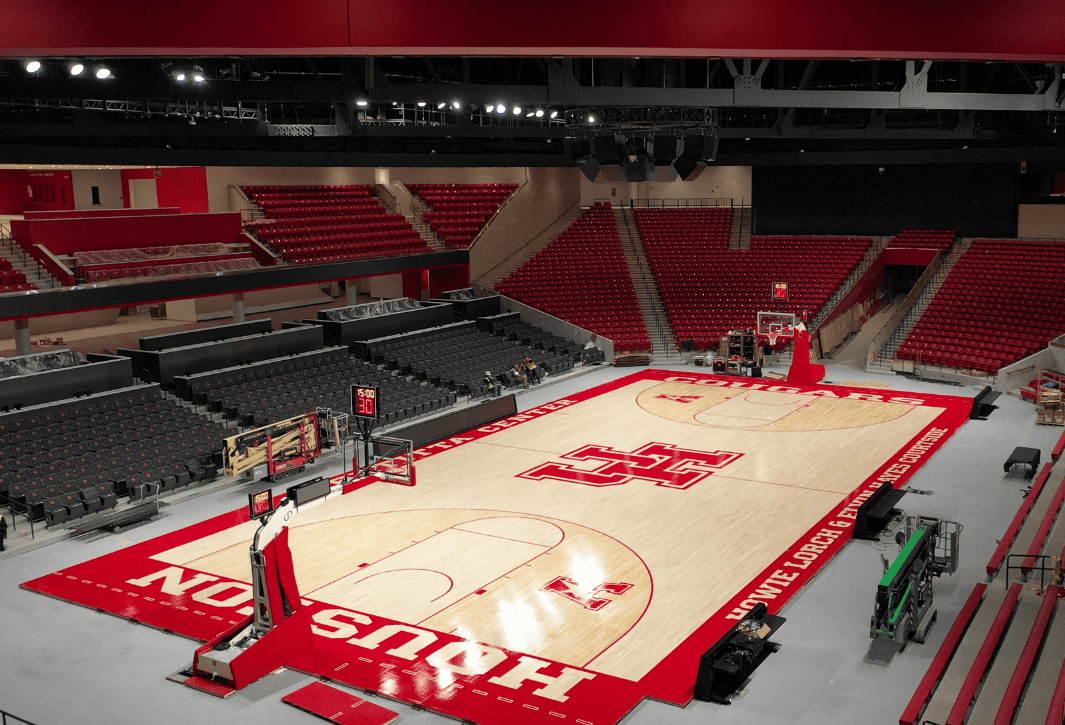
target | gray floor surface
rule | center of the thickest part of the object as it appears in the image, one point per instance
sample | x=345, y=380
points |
x=60, y=663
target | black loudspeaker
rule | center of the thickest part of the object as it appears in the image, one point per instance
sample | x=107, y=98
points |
x=664, y=149
x=685, y=166
x=755, y=372
x=642, y=169
x=607, y=152
x=578, y=148
x=590, y=168
x=688, y=344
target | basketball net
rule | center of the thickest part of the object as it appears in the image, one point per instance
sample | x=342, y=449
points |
x=772, y=339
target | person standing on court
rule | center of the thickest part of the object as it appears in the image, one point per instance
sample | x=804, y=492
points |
x=3, y=532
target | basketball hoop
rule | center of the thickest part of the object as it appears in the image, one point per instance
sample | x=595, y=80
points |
x=772, y=339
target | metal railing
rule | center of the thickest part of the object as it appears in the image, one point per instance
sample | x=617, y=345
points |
x=13, y=508
x=6, y=717
x=691, y=202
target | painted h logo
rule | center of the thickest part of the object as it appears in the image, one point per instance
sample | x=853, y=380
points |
x=592, y=599
x=659, y=463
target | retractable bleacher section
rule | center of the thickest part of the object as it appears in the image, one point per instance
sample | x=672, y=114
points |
x=456, y=356
x=74, y=457
x=317, y=224
x=582, y=277
x=104, y=265
x=13, y=280
x=1003, y=300
x=709, y=290
x=458, y=212
x=938, y=239
x=272, y=390
x=1002, y=662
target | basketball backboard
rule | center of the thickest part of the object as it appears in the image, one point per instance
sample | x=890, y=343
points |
x=393, y=460
x=776, y=324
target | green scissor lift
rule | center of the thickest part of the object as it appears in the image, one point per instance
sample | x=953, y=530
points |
x=904, y=603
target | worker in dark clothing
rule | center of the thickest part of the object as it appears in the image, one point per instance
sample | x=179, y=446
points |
x=3, y=532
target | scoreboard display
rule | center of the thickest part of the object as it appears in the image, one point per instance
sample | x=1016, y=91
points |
x=260, y=503
x=364, y=402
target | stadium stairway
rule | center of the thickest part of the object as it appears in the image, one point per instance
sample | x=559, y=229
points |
x=414, y=211
x=894, y=342
x=23, y=262
x=659, y=329
x=742, y=227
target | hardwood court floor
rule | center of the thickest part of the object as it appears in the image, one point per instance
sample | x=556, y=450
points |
x=601, y=535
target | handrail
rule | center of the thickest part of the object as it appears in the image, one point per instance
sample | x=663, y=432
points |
x=691, y=202
x=11, y=504
x=904, y=309
x=517, y=252
x=4, y=715
x=52, y=264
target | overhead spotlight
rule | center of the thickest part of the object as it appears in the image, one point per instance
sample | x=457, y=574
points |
x=421, y=104
x=103, y=72
x=516, y=110
x=554, y=114
x=530, y=114
x=192, y=121
x=539, y=113
x=33, y=66
x=198, y=77
x=440, y=106
x=591, y=118
x=500, y=108
x=76, y=69
x=456, y=105
x=179, y=77
x=361, y=104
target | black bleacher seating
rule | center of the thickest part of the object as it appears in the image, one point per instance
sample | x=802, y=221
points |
x=77, y=457
x=456, y=356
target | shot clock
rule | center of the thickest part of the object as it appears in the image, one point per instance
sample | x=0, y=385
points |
x=364, y=402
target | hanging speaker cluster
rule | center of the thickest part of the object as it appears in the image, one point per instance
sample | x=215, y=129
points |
x=659, y=157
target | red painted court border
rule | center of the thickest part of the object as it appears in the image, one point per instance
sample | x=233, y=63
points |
x=338, y=706
x=605, y=698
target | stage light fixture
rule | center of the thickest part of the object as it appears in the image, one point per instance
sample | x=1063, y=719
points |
x=361, y=104
x=500, y=108
x=76, y=69
x=591, y=118
x=421, y=104
x=440, y=106
x=539, y=113
x=554, y=114
x=33, y=66
x=516, y=110
x=529, y=114
x=456, y=105
x=103, y=72
x=179, y=77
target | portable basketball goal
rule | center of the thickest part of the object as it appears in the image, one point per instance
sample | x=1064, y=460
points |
x=776, y=325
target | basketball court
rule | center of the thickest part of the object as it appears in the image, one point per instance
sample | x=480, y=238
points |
x=563, y=563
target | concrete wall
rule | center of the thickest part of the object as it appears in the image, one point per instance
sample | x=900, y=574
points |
x=385, y=286
x=729, y=182
x=109, y=181
x=459, y=175
x=73, y=322
x=1041, y=220
x=531, y=209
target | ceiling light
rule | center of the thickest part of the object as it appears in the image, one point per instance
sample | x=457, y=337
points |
x=591, y=118
x=102, y=72
x=33, y=66
x=456, y=105
x=421, y=104
x=361, y=104
x=76, y=69
x=539, y=113
x=439, y=106
x=554, y=114
x=517, y=110
x=529, y=114
x=500, y=108
x=198, y=77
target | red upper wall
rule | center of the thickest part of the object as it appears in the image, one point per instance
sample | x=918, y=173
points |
x=184, y=187
x=66, y=236
x=975, y=30
x=98, y=213
x=15, y=195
